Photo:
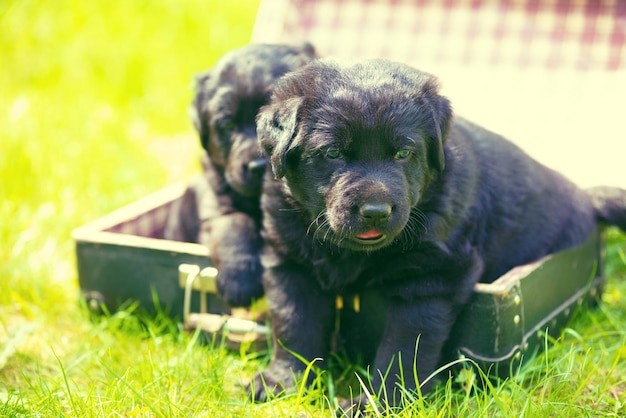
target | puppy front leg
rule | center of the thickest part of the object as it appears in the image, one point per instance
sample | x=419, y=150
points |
x=302, y=319
x=234, y=241
x=423, y=325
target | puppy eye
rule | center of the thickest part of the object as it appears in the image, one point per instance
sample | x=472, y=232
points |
x=402, y=154
x=333, y=154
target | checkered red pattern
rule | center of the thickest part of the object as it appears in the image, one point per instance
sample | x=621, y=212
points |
x=574, y=34
x=149, y=224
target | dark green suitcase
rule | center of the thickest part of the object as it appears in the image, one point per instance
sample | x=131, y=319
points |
x=508, y=319
x=122, y=258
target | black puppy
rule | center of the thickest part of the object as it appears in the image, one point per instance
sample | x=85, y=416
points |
x=221, y=209
x=379, y=191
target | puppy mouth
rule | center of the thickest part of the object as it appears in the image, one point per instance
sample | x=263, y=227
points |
x=370, y=237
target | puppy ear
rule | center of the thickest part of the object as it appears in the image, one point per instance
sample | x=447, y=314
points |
x=198, y=111
x=277, y=126
x=441, y=110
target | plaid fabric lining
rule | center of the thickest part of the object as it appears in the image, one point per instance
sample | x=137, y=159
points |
x=546, y=34
x=150, y=224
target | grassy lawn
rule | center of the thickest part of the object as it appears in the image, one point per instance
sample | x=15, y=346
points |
x=93, y=108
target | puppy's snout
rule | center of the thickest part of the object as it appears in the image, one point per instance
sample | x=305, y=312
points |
x=256, y=167
x=375, y=211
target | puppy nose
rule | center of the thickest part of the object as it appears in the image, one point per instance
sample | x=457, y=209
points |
x=256, y=167
x=375, y=211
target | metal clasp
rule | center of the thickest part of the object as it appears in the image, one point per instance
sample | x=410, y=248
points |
x=235, y=330
x=190, y=277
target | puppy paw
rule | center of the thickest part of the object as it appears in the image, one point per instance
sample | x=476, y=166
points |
x=239, y=280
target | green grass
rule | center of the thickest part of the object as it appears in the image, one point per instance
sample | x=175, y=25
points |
x=93, y=102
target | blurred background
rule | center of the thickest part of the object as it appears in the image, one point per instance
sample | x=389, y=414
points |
x=93, y=108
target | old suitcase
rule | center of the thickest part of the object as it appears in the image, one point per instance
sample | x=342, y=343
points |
x=123, y=259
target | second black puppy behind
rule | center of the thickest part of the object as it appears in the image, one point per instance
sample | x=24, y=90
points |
x=221, y=209
x=379, y=191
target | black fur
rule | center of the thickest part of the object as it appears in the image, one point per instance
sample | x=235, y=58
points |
x=371, y=150
x=226, y=198
x=610, y=204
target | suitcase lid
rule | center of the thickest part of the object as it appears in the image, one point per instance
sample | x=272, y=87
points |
x=512, y=66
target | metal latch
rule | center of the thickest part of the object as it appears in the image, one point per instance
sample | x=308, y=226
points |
x=190, y=277
x=235, y=327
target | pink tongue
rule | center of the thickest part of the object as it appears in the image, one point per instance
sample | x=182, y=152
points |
x=371, y=234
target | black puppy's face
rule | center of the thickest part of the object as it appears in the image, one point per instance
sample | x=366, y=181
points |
x=356, y=146
x=227, y=100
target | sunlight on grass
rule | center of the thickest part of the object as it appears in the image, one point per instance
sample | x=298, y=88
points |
x=93, y=109
x=89, y=93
